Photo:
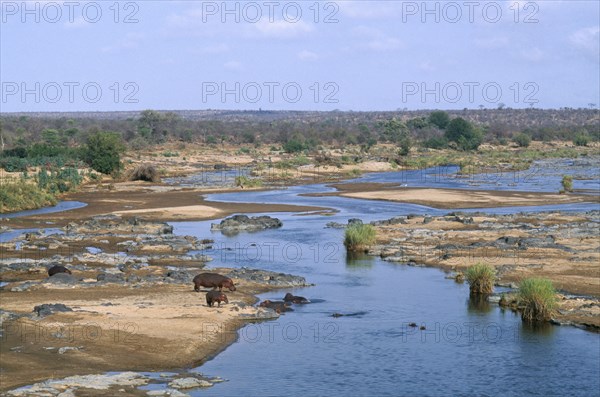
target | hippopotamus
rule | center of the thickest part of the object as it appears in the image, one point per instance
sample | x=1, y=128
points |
x=215, y=296
x=57, y=269
x=279, y=307
x=214, y=281
x=295, y=299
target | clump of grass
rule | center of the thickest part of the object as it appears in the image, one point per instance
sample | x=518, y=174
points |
x=20, y=196
x=244, y=181
x=537, y=297
x=567, y=183
x=145, y=172
x=481, y=278
x=359, y=237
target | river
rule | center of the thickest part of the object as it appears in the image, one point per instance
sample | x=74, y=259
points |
x=466, y=348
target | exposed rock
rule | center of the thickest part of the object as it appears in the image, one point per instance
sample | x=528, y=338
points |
x=97, y=382
x=65, y=349
x=49, y=308
x=61, y=278
x=270, y=278
x=110, y=278
x=238, y=223
x=189, y=383
x=261, y=313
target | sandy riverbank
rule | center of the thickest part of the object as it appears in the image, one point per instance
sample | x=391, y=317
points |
x=454, y=198
x=112, y=328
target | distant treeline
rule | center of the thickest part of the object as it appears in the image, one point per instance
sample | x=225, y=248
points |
x=296, y=130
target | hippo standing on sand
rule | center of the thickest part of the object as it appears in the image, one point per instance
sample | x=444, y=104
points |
x=215, y=296
x=214, y=281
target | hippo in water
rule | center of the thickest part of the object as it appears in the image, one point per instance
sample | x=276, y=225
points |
x=295, y=299
x=57, y=269
x=215, y=296
x=214, y=281
x=279, y=307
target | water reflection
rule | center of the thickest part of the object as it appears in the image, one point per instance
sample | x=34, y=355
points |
x=478, y=303
x=358, y=260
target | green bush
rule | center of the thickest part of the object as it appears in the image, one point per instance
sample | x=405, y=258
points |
x=537, y=298
x=481, y=278
x=244, y=181
x=464, y=134
x=567, y=183
x=103, y=152
x=581, y=139
x=436, y=142
x=293, y=146
x=523, y=140
x=359, y=237
x=20, y=196
x=439, y=118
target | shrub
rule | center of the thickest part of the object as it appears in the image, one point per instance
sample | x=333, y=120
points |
x=436, y=142
x=523, y=140
x=537, y=298
x=464, y=134
x=244, y=181
x=145, y=172
x=439, y=118
x=581, y=139
x=20, y=196
x=481, y=278
x=293, y=146
x=103, y=152
x=359, y=237
x=567, y=183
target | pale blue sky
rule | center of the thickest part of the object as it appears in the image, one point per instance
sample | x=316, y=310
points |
x=370, y=56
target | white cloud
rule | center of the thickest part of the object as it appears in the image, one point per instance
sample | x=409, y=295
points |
x=492, y=42
x=219, y=48
x=587, y=40
x=376, y=40
x=78, y=22
x=233, y=66
x=533, y=54
x=282, y=28
x=130, y=41
x=427, y=66
x=306, y=55
x=370, y=9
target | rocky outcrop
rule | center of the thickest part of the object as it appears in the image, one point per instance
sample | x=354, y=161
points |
x=270, y=278
x=239, y=223
x=49, y=308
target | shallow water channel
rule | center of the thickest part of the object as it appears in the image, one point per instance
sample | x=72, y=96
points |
x=466, y=348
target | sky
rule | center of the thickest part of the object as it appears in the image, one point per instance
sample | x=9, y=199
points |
x=298, y=55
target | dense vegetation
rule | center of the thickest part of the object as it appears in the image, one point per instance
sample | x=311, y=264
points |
x=537, y=298
x=358, y=237
x=481, y=278
x=299, y=131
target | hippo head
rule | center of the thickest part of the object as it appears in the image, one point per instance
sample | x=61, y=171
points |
x=265, y=303
x=224, y=298
x=231, y=286
x=288, y=297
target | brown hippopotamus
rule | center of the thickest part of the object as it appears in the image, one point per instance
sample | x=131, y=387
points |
x=279, y=307
x=57, y=269
x=295, y=299
x=215, y=296
x=214, y=281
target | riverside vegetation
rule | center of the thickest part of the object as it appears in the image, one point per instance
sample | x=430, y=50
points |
x=279, y=144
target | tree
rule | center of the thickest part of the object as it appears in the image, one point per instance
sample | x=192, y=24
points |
x=439, y=118
x=395, y=130
x=103, y=152
x=464, y=134
x=523, y=140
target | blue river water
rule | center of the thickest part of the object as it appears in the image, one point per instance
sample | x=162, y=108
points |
x=466, y=348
